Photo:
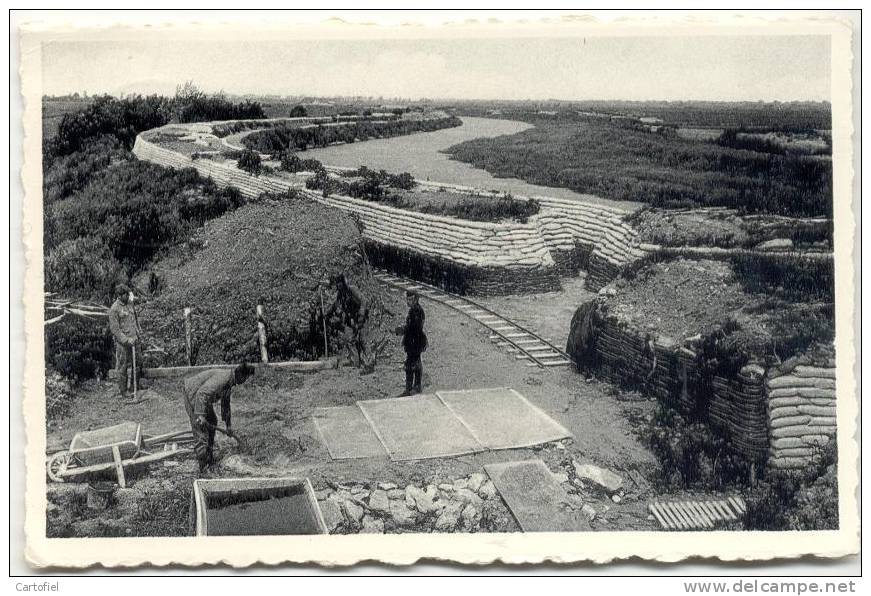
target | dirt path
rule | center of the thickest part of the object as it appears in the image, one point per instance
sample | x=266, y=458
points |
x=274, y=413
x=549, y=313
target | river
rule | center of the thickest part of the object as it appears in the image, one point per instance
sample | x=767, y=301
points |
x=420, y=155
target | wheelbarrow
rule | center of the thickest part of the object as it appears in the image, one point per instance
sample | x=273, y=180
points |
x=114, y=449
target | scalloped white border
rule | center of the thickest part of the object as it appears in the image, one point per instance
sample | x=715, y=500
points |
x=598, y=547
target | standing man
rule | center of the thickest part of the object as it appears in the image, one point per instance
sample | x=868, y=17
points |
x=125, y=331
x=201, y=392
x=414, y=342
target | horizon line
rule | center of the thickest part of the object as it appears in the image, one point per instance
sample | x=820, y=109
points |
x=85, y=93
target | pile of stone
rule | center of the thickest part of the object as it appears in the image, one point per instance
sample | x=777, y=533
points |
x=464, y=504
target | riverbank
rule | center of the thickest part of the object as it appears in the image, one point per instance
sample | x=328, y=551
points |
x=422, y=155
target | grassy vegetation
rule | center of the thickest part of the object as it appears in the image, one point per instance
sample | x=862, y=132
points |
x=616, y=162
x=691, y=456
x=727, y=229
x=394, y=190
x=789, y=116
x=106, y=215
x=300, y=138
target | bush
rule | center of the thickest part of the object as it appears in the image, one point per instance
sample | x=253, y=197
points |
x=299, y=138
x=79, y=348
x=125, y=118
x=58, y=395
x=217, y=107
x=789, y=277
x=138, y=208
x=68, y=174
x=290, y=162
x=121, y=118
x=805, y=499
x=483, y=209
x=690, y=454
x=250, y=162
x=82, y=268
x=405, y=181
x=375, y=186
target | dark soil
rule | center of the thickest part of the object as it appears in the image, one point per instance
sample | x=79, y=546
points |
x=724, y=228
x=273, y=411
x=280, y=253
x=681, y=299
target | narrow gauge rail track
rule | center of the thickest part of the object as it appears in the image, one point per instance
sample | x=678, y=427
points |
x=525, y=344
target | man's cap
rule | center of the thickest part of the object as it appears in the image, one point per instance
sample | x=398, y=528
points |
x=122, y=289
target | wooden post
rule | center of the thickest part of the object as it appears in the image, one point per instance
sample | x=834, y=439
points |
x=187, y=335
x=119, y=467
x=261, y=331
x=324, y=321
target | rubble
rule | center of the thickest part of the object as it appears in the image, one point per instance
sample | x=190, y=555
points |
x=605, y=479
x=476, y=480
x=402, y=514
x=465, y=504
x=372, y=525
x=449, y=518
x=488, y=490
x=331, y=513
x=353, y=512
x=419, y=499
x=379, y=502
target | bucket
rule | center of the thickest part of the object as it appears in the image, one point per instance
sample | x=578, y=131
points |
x=100, y=495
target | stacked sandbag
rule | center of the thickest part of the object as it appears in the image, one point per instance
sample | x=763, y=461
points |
x=510, y=245
x=613, y=242
x=502, y=257
x=457, y=278
x=223, y=173
x=658, y=367
x=739, y=405
x=801, y=408
x=578, y=234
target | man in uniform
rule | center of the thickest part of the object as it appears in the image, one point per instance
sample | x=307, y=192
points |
x=201, y=392
x=414, y=342
x=125, y=331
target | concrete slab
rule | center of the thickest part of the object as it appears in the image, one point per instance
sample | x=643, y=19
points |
x=537, y=501
x=347, y=434
x=501, y=418
x=418, y=427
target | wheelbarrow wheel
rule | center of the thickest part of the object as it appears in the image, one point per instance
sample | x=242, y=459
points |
x=57, y=465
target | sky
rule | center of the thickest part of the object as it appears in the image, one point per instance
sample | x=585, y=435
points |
x=720, y=68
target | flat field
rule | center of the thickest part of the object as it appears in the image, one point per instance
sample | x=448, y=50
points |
x=623, y=163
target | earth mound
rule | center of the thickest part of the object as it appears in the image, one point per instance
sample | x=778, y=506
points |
x=695, y=300
x=282, y=254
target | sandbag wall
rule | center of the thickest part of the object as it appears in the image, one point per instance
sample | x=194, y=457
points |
x=227, y=174
x=580, y=236
x=588, y=236
x=503, y=257
x=801, y=409
x=497, y=258
x=735, y=407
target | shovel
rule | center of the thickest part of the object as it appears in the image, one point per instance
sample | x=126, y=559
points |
x=228, y=433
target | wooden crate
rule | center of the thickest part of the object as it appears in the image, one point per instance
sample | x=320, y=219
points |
x=255, y=507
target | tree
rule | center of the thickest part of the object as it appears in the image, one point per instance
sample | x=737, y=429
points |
x=298, y=112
